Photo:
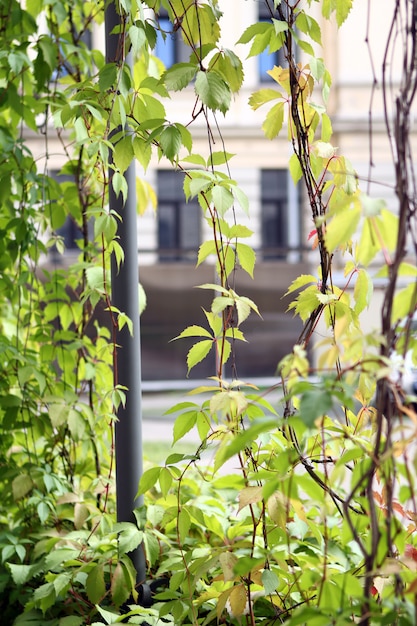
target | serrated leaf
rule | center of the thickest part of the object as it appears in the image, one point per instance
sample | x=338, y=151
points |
x=129, y=537
x=198, y=353
x=262, y=96
x=241, y=198
x=184, y=524
x=179, y=76
x=171, y=142
x=309, y=26
x=206, y=249
x=295, y=168
x=274, y=121
x=81, y=515
x=120, y=587
x=108, y=616
x=238, y=600
x=107, y=77
x=341, y=228
x=95, y=585
x=123, y=153
x=148, y=479
x=21, y=486
x=270, y=581
x=21, y=573
x=137, y=38
x=119, y=185
x=254, y=29
x=44, y=596
x=363, y=290
x=247, y=258
x=183, y=424
x=228, y=64
x=249, y=495
x=76, y=424
x=165, y=481
x=222, y=199
x=219, y=158
x=193, y=331
x=228, y=561
x=213, y=91
x=314, y=404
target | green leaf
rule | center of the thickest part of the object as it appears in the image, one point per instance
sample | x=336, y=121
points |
x=44, y=596
x=184, y=524
x=193, y=331
x=247, y=258
x=95, y=585
x=137, y=38
x=262, y=96
x=270, y=581
x=171, y=142
x=274, y=121
x=21, y=573
x=148, y=479
x=219, y=158
x=198, y=353
x=308, y=25
x=213, y=91
x=341, y=228
x=253, y=30
x=119, y=185
x=295, y=168
x=165, y=481
x=206, y=249
x=183, y=424
x=363, y=291
x=230, y=447
x=129, y=537
x=228, y=64
x=179, y=76
x=76, y=424
x=109, y=616
x=123, y=153
x=120, y=587
x=314, y=404
x=222, y=199
x=21, y=486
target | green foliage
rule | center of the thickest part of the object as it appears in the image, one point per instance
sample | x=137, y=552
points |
x=287, y=509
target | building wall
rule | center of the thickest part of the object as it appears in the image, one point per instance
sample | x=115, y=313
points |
x=173, y=301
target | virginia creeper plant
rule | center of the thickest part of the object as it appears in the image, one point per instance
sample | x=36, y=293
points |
x=317, y=521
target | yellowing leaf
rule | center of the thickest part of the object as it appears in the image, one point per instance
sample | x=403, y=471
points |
x=228, y=561
x=249, y=495
x=238, y=600
x=341, y=228
x=21, y=486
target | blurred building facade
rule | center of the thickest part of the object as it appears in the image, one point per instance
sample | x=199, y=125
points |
x=168, y=239
x=278, y=215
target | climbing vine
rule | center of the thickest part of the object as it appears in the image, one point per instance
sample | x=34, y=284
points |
x=295, y=511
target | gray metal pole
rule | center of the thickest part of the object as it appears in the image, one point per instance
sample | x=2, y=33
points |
x=128, y=430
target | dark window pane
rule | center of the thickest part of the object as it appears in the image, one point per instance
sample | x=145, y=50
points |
x=178, y=221
x=274, y=198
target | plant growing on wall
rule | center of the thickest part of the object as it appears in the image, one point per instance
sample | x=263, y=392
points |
x=316, y=523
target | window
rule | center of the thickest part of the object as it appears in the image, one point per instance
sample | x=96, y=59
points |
x=170, y=47
x=274, y=201
x=267, y=60
x=179, y=222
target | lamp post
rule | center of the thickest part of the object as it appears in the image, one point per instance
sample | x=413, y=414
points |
x=125, y=297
